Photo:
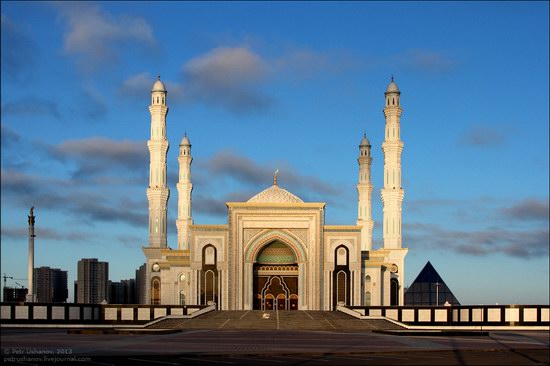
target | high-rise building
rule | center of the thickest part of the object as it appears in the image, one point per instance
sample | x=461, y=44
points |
x=123, y=292
x=50, y=285
x=141, y=274
x=13, y=294
x=92, y=281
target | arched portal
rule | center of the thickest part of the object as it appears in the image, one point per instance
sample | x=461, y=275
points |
x=275, y=280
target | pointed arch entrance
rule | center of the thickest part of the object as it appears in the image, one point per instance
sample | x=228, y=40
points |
x=275, y=278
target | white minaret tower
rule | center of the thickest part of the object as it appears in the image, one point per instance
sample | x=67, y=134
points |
x=158, y=191
x=392, y=193
x=31, y=297
x=185, y=187
x=364, y=191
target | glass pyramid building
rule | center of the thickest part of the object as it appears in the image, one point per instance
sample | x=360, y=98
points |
x=429, y=289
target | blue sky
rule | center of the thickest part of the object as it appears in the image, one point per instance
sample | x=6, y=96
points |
x=259, y=86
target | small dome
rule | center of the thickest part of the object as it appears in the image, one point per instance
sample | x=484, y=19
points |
x=364, y=141
x=158, y=86
x=185, y=141
x=392, y=88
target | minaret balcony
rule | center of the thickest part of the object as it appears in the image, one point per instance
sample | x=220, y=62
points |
x=393, y=194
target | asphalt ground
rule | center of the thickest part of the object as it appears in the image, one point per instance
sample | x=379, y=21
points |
x=271, y=347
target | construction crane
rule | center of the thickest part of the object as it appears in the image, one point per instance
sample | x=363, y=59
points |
x=5, y=277
x=18, y=284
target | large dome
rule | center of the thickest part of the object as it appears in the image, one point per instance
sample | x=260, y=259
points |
x=274, y=194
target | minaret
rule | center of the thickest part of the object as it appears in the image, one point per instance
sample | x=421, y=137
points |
x=185, y=187
x=364, y=191
x=158, y=191
x=392, y=193
x=30, y=294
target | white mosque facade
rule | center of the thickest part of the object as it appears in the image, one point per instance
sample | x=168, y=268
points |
x=275, y=251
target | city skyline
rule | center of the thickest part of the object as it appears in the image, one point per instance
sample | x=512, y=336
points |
x=260, y=87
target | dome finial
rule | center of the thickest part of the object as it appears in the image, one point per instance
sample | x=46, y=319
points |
x=275, y=177
x=158, y=77
x=392, y=77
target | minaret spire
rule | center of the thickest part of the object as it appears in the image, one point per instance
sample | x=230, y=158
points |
x=392, y=193
x=184, y=187
x=364, y=192
x=158, y=191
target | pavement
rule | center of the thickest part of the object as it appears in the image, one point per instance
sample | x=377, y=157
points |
x=280, y=342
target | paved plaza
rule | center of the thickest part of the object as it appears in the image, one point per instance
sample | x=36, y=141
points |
x=276, y=320
x=221, y=338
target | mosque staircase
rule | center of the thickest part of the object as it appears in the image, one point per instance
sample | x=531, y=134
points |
x=276, y=320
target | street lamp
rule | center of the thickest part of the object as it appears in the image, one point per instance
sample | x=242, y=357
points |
x=437, y=284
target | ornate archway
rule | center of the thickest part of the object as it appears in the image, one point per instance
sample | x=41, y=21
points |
x=275, y=278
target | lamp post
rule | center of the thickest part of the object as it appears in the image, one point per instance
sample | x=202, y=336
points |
x=437, y=284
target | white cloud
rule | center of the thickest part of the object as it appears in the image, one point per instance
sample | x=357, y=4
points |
x=233, y=77
x=429, y=61
x=228, y=76
x=305, y=63
x=483, y=136
x=95, y=36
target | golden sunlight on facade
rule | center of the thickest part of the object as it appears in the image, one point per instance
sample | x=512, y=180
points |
x=275, y=251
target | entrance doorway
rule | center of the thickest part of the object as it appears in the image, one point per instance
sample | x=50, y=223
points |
x=275, y=292
x=275, y=280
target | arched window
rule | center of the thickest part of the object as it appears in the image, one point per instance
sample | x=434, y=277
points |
x=209, y=286
x=341, y=277
x=155, y=291
x=394, y=292
x=341, y=287
x=182, y=298
x=367, y=298
x=209, y=275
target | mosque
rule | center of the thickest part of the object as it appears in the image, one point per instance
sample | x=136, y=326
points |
x=275, y=250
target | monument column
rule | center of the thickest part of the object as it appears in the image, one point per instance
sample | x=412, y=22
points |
x=30, y=294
